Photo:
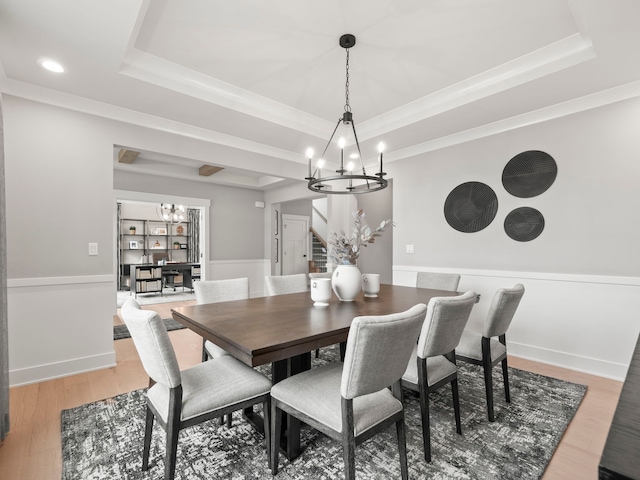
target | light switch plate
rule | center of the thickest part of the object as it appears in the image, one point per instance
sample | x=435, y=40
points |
x=410, y=249
x=93, y=249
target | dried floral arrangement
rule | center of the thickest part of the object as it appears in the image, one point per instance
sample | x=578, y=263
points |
x=345, y=249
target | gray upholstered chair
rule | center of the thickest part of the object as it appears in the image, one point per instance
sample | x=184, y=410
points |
x=350, y=402
x=438, y=281
x=483, y=349
x=313, y=275
x=214, y=291
x=433, y=363
x=179, y=399
x=283, y=284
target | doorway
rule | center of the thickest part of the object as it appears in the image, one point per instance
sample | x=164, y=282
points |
x=295, y=244
x=154, y=237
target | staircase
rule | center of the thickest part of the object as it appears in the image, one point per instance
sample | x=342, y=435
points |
x=318, y=263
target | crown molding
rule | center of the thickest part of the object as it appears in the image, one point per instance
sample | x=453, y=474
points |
x=125, y=115
x=581, y=104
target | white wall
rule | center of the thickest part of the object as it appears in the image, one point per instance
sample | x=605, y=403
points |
x=582, y=274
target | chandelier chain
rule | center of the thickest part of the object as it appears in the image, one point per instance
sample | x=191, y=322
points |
x=347, y=107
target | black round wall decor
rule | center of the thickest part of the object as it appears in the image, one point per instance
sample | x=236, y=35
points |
x=529, y=174
x=470, y=207
x=524, y=224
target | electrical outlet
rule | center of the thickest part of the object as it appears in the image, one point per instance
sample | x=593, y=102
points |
x=93, y=249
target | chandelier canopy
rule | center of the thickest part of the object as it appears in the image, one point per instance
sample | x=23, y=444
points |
x=356, y=181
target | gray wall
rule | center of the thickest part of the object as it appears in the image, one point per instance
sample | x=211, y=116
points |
x=378, y=257
x=591, y=211
x=236, y=225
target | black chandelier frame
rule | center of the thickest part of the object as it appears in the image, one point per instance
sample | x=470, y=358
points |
x=372, y=183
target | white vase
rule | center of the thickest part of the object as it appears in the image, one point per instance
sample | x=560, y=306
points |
x=346, y=282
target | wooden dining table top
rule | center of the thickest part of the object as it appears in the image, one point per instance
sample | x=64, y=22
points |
x=263, y=330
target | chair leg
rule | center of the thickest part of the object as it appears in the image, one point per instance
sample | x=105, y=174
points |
x=229, y=417
x=317, y=352
x=173, y=428
x=266, y=414
x=456, y=404
x=148, y=431
x=488, y=380
x=402, y=448
x=276, y=428
x=505, y=377
x=348, y=440
x=205, y=355
x=424, y=408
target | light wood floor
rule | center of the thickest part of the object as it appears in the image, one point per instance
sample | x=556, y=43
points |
x=32, y=451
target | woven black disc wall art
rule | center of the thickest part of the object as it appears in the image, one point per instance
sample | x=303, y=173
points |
x=529, y=174
x=470, y=207
x=524, y=224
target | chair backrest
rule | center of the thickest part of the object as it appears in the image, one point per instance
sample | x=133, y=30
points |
x=320, y=275
x=444, y=324
x=214, y=291
x=279, y=285
x=159, y=256
x=150, y=337
x=378, y=350
x=504, y=306
x=438, y=281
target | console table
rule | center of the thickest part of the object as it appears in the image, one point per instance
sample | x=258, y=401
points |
x=621, y=454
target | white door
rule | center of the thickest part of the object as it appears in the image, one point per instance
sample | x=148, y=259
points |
x=295, y=237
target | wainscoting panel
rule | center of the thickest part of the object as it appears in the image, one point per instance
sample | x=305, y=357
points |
x=587, y=323
x=59, y=326
x=255, y=270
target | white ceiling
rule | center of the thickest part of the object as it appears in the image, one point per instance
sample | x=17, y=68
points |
x=262, y=81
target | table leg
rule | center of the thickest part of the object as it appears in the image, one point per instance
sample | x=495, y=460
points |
x=290, y=441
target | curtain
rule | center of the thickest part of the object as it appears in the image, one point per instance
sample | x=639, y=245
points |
x=119, y=246
x=4, y=330
x=193, y=230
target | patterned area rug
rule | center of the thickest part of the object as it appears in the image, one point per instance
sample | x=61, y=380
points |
x=121, y=331
x=103, y=440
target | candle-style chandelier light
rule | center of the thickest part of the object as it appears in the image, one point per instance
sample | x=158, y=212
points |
x=348, y=180
x=170, y=212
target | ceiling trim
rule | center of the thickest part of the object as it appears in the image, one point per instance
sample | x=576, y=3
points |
x=555, y=57
x=125, y=115
x=121, y=114
x=221, y=178
x=172, y=76
x=581, y=104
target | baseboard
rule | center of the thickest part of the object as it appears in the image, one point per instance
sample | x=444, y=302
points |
x=42, y=373
x=578, y=363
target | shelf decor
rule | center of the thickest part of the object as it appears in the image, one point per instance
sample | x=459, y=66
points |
x=133, y=245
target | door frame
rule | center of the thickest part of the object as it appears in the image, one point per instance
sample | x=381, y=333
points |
x=204, y=204
x=307, y=220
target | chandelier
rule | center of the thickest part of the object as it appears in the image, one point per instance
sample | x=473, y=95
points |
x=356, y=181
x=171, y=212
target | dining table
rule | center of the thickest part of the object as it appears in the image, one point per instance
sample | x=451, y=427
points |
x=283, y=330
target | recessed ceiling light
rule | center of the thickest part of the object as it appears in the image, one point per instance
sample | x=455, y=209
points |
x=51, y=65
